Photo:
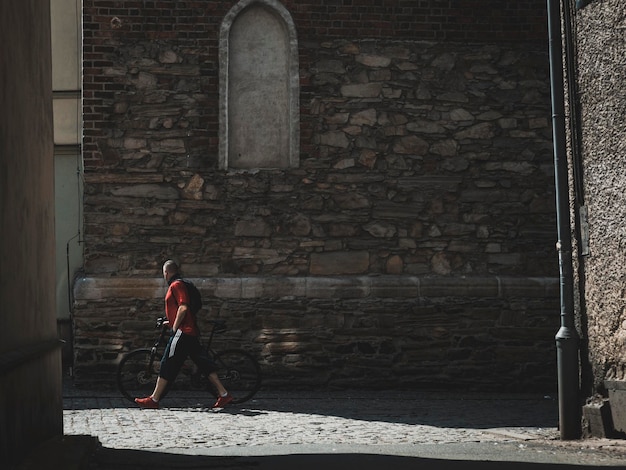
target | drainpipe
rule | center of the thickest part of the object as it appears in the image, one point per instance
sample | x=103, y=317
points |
x=567, y=339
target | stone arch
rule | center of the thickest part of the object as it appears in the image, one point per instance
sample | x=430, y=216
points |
x=259, y=87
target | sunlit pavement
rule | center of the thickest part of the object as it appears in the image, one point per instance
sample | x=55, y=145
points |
x=327, y=430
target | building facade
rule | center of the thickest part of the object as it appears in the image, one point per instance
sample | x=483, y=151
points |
x=365, y=190
x=597, y=37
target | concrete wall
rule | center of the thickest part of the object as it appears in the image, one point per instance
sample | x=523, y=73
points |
x=30, y=368
x=600, y=42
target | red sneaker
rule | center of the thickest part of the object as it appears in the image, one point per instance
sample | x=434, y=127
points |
x=147, y=402
x=223, y=401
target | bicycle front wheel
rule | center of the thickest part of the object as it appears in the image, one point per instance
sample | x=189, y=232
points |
x=137, y=374
x=240, y=374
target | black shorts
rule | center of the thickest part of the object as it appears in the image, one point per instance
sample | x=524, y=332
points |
x=178, y=349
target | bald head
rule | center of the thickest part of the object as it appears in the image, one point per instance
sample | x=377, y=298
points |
x=170, y=268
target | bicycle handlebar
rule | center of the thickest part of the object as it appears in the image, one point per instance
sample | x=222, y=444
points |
x=219, y=326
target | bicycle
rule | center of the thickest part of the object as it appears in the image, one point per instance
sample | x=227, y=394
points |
x=240, y=373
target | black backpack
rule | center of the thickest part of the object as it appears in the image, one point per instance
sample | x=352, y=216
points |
x=195, y=299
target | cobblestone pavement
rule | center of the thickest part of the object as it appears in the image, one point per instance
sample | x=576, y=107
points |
x=405, y=425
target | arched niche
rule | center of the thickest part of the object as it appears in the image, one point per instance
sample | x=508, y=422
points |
x=259, y=87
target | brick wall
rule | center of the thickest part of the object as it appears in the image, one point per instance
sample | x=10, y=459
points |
x=477, y=20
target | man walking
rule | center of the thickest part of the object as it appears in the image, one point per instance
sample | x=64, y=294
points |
x=183, y=343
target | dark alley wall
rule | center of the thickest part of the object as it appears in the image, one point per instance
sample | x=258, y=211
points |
x=30, y=364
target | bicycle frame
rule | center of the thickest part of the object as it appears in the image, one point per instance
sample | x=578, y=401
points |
x=236, y=368
x=218, y=326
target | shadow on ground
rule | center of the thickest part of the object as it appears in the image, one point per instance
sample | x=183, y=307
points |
x=119, y=460
x=85, y=453
x=475, y=411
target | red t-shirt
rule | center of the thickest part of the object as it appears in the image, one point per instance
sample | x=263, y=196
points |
x=176, y=295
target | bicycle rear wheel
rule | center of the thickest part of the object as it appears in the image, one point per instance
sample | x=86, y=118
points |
x=240, y=374
x=137, y=374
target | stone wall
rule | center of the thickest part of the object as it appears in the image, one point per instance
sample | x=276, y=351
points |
x=369, y=332
x=422, y=160
x=417, y=158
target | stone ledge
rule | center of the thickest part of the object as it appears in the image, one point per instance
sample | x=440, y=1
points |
x=346, y=287
x=615, y=385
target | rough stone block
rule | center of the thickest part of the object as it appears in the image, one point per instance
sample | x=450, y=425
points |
x=339, y=263
x=617, y=399
x=598, y=417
